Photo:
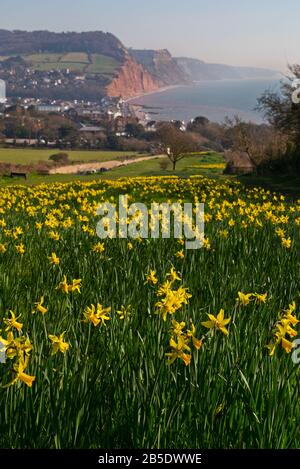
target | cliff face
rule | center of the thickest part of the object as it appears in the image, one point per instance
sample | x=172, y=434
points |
x=132, y=79
x=161, y=65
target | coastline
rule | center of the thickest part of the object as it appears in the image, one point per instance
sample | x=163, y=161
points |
x=138, y=109
x=159, y=90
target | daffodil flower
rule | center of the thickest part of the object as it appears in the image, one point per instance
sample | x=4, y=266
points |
x=217, y=323
x=19, y=368
x=12, y=322
x=40, y=308
x=151, y=278
x=58, y=344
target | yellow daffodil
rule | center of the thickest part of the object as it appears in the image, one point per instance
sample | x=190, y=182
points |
x=54, y=260
x=179, y=350
x=217, y=323
x=151, y=277
x=58, y=343
x=98, y=314
x=191, y=333
x=12, y=322
x=19, y=369
x=261, y=297
x=40, y=308
x=244, y=298
x=20, y=248
x=99, y=248
x=173, y=275
x=69, y=288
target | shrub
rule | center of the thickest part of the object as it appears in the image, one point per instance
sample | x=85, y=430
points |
x=59, y=158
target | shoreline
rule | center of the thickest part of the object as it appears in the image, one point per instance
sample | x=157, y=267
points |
x=139, y=110
x=148, y=93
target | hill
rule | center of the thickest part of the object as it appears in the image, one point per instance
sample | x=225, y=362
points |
x=198, y=70
x=71, y=65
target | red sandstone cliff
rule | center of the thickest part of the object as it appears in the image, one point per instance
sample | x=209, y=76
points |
x=132, y=79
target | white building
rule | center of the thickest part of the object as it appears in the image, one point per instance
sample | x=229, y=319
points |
x=2, y=92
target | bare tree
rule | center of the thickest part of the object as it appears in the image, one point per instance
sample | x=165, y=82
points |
x=176, y=144
x=281, y=110
x=259, y=143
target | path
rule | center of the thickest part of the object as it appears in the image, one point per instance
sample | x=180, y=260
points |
x=77, y=168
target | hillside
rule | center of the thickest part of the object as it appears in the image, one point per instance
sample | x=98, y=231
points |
x=89, y=65
x=198, y=70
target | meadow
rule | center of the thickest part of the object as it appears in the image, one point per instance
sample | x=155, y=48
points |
x=74, y=61
x=31, y=156
x=140, y=343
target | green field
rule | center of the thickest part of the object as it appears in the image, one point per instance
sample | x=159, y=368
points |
x=152, y=167
x=80, y=57
x=74, y=61
x=102, y=64
x=29, y=156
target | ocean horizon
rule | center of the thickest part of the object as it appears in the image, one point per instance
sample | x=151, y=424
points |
x=215, y=100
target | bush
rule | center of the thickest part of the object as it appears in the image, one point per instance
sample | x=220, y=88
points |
x=59, y=158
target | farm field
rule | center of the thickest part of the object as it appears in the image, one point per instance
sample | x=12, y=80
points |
x=141, y=343
x=74, y=61
x=28, y=156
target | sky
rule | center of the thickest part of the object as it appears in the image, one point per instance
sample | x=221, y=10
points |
x=263, y=33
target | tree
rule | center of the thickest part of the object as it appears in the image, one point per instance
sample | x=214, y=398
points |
x=62, y=158
x=176, y=144
x=281, y=110
x=260, y=143
x=134, y=130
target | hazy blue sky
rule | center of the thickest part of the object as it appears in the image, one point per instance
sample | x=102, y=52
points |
x=254, y=32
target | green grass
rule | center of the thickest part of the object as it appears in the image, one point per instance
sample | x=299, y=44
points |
x=73, y=66
x=42, y=58
x=102, y=64
x=144, y=168
x=80, y=57
x=113, y=388
x=28, y=156
x=184, y=168
x=75, y=61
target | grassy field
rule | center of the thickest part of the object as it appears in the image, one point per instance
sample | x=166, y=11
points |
x=28, y=156
x=211, y=165
x=109, y=344
x=74, y=61
x=102, y=64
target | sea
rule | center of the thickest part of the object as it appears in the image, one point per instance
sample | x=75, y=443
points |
x=215, y=100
